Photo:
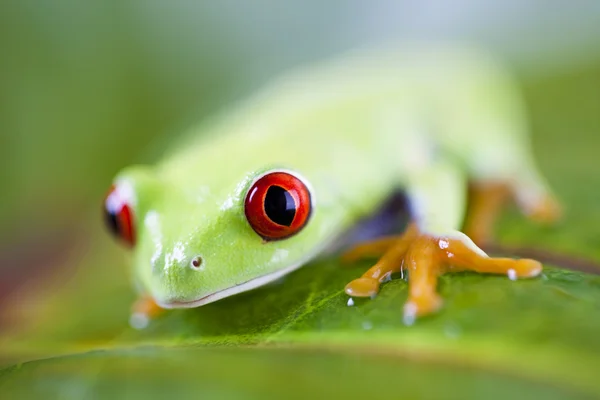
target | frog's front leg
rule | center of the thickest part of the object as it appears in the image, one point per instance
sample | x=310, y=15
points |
x=143, y=311
x=425, y=257
x=391, y=251
x=433, y=245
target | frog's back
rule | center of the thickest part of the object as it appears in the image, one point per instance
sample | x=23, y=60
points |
x=363, y=118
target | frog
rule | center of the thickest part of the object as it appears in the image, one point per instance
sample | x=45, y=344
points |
x=268, y=184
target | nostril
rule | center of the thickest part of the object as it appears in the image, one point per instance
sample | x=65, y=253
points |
x=197, y=262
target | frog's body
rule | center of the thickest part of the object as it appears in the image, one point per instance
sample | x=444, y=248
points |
x=353, y=130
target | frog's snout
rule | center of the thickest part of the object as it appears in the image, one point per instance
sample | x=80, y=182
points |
x=176, y=259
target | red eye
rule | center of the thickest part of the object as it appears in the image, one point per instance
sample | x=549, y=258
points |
x=118, y=216
x=278, y=205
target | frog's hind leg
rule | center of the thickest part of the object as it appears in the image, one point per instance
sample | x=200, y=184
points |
x=486, y=200
x=534, y=198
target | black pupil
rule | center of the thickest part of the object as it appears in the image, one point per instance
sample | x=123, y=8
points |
x=280, y=206
x=112, y=221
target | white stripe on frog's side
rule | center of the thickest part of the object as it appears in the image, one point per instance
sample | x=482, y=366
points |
x=251, y=284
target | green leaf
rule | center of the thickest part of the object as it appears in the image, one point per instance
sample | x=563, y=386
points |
x=494, y=336
x=296, y=373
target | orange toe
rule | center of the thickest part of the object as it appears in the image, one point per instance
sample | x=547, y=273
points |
x=362, y=287
x=547, y=211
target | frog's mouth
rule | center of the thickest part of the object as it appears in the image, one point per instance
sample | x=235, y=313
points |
x=221, y=294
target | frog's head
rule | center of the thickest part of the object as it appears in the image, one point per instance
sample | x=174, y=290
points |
x=195, y=244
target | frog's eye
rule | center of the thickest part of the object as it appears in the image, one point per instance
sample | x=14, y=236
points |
x=278, y=205
x=118, y=216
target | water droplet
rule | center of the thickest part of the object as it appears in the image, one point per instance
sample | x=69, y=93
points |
x=350, y=302
x=387, y=277
x=139, y=321
x=512, y=274
x=410, y=314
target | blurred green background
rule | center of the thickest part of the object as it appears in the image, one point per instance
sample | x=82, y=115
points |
x=88, y=88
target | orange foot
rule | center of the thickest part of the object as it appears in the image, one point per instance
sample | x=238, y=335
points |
x=425, y=258
x=486, y=200
x=143, y=311
x=546, y=211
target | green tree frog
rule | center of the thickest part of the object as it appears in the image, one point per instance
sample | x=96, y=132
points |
x=269, y=184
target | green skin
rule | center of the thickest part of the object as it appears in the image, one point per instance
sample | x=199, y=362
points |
x=354, y=129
